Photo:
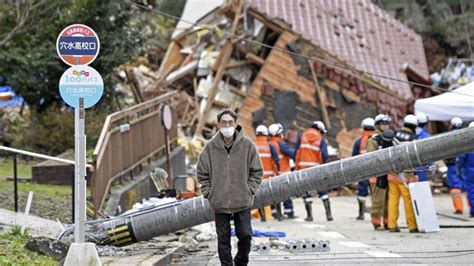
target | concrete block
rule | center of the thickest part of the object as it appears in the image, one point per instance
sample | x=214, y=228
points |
x=82, y=254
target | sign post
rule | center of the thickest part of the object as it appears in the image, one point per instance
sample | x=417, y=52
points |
x=80, y=87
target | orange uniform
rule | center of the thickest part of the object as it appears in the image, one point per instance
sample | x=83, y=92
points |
x=265, y=153
x=283, y=159
x=309, y=152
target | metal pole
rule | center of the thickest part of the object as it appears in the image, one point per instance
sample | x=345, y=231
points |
x=15, y=182
x=168, y=159
x=73, y=196
x=80, y=160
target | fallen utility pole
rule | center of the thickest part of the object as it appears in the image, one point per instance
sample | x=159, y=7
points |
x=141, y=226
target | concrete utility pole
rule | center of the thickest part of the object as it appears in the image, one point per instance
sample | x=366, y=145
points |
x=146, y=225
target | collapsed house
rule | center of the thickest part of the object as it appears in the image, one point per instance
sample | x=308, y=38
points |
x=293, y=62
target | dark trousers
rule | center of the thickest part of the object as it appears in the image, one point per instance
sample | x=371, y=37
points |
x=243, y=231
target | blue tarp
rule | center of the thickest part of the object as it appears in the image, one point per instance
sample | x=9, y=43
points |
x=16, y=100
x=257, y=233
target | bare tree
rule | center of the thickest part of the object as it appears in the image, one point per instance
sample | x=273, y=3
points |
x=24, y=14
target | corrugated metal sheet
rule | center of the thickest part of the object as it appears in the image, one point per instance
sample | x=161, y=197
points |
x=358, y=32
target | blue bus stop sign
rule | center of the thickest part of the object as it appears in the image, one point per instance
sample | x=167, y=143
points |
x=81, y=82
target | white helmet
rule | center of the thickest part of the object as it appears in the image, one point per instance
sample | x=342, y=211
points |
x=410, y=119
x=320, y=126
x=381, y=118
x=471, y=124
x=275, y=129
x=368, y=123
x=422, y=118
x=261, y=130
x=456, y=122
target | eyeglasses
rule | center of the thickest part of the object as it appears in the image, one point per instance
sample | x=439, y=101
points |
x=228, y=123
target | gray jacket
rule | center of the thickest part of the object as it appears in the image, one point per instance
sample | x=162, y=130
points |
x=229, y=181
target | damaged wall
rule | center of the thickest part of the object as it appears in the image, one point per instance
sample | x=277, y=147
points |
x=281, y=73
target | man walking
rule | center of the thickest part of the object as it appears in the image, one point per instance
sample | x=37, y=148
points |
x=230, y=172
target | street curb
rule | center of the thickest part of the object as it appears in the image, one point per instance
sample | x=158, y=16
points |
x=166, y=259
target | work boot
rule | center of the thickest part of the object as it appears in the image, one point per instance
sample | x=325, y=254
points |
x=361, y=210
x=327, y=206
x=309, y=212
x=261, y=211
x=279, y=215
x=394, y=230
x=378, y=227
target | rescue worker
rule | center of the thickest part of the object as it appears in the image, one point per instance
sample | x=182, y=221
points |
x=398, y=183
x=268, y=157
x=360, y=147
x=379, y=196
x=422, y=133
x=454, y=177
x=311, y=150
x=285, y=154
x=467, y=170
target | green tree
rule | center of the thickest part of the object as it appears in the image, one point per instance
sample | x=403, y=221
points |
x=28, y=35
x=446, y=26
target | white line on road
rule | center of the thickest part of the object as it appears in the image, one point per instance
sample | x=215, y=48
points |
x=383, y=254
x=312, y=226
x=354, y=244
x=330, y=234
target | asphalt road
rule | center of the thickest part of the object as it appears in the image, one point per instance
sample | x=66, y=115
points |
x=355, y=242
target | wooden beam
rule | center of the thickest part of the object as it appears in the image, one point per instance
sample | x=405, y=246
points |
x=255, y=59
x=226, y=52
x=132, y=80
x=237, y=64
x=321, y=96
x=238, y=92
x=224, y=57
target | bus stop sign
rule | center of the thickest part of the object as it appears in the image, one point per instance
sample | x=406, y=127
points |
x=77, y=45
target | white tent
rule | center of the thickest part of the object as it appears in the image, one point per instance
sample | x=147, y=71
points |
x=443, y=107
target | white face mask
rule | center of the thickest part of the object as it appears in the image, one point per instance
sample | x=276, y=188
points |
x=228, y=131
x=418, y=130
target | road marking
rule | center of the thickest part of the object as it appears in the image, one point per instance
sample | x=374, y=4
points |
x=330, y=234
x=354, y=244
x=312, y=226
x=383, y=254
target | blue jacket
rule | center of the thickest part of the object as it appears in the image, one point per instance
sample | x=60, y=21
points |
x=323, y=148
x=421, y=171
x=286, y=149
x=423, y=134
x=275, y=156
x=466, y=165
x=355, y=149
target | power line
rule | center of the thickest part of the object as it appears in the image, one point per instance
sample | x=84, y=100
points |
x=327, y=62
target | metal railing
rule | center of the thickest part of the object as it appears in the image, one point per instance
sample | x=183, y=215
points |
x=35, y=155
x=128, y=139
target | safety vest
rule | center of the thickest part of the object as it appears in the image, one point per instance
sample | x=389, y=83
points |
x=265, y=154
x=309, y=153
x=363, y=141
x=284, y=160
